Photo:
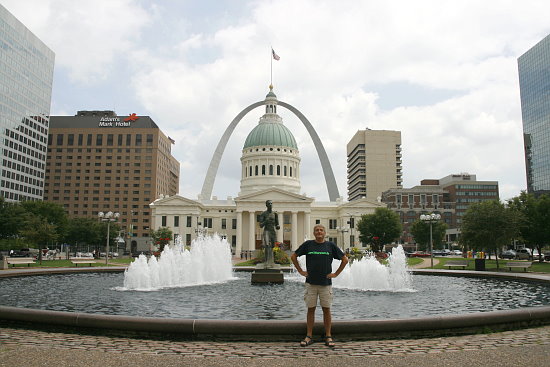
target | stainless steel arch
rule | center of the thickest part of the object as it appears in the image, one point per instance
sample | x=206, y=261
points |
x=208, y=184
x=323, y=157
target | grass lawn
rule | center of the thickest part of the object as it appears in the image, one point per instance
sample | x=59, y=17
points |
x=246, y=263
x=68, y=264
x=413, y=261
x=410, y=261
x=491, y=265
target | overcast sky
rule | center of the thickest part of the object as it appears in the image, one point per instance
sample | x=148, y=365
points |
x=444, y=73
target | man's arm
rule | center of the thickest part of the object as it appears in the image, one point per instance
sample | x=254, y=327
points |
x=277, y=221
x=294, y=259
x=261, y=220
x=343, y=264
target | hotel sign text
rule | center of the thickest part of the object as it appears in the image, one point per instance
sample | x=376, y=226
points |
x=115, y=121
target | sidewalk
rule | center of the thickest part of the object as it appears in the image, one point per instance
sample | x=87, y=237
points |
x=18, y=347
x=426, y=263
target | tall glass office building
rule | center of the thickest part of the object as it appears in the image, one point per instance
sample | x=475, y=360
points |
x=534, y=82
x=26, y=75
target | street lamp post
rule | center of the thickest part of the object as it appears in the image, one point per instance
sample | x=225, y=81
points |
x=351, y=223
x=199, y=231
x=108, y=217
x=431, y=219
x=343, y=230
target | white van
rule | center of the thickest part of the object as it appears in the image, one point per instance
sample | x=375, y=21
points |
x=527, y=254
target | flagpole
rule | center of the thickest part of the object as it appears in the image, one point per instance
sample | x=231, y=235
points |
x=271, y=58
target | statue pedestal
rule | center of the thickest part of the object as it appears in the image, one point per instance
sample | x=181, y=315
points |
x=264, y=275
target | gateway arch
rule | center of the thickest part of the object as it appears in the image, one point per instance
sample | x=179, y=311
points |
x=208, y=184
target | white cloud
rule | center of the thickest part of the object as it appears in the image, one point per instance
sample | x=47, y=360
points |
x=329, y=51
x=89, y=38
x=194, y=80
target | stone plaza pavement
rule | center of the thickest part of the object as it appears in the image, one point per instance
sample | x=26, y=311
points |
x=21, y=347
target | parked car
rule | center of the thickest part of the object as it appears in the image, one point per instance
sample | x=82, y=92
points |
x=547, y=256
x=444, y=252
x=456, y=252
x=527, y=254
x=508, y=254
x=24, y=252
x=17, y=253
x=420, y=254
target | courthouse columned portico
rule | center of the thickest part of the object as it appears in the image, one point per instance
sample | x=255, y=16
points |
x=293, y=210
x=236, y=218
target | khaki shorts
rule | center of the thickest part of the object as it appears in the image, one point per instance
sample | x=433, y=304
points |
x=323, y=292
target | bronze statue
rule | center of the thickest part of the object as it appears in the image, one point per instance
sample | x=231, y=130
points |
x=269, y=221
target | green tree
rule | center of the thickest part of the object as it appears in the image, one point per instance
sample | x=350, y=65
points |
x=161, y=237
x=84, y=230
x=39, y=232
x=53, y=213
x=535, y=228
x=13, y=221
x=421, y=233
x=380, y=228
x=489, y=226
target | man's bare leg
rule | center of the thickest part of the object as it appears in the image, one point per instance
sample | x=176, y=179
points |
x=309, y=324
x=310, y=320
x=327, y=321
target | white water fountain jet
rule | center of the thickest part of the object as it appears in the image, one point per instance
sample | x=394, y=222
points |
x=368, y=274
x=207, y=262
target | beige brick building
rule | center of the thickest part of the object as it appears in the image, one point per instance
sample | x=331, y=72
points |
x=374, y=163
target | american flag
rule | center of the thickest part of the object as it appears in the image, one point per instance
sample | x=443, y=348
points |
x=275, y=56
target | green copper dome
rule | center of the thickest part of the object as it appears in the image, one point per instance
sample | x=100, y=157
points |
x=270, y=133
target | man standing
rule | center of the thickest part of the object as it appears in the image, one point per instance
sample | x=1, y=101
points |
x=319, y=254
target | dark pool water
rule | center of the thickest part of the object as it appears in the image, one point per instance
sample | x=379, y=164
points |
x=239, y=300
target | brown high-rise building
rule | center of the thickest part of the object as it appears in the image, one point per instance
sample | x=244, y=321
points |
x=98, y=162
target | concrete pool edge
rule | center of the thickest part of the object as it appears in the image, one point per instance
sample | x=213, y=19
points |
x=197, y=328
